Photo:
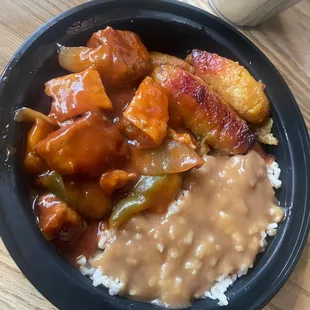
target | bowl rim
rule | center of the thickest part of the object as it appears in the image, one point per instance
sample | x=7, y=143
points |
x=8, y=235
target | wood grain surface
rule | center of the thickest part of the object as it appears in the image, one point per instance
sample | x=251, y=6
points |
x=285, y=40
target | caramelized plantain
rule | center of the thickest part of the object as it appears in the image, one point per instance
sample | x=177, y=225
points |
x=203, y=111
x=233, y=83
x=159, y=59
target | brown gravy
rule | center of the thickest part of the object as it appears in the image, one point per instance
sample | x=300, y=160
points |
x=214, y=230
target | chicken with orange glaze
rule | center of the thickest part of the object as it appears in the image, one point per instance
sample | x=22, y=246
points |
x=87, y=198
x=76, y=94
x=233, y=83
x=57, y=220
x=146, y=117
x=90, y=145
x=115, y=179
x=203, y=111
x=119, y=56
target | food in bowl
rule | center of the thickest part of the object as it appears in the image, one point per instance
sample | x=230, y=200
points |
x=148, y=170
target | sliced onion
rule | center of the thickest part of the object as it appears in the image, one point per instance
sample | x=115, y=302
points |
x=170, y=157
x=30, y=115
x=74, y=59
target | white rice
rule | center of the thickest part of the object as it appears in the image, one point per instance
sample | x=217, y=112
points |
x=217, y=291
x=273, y=172
x=114, y=285
x=105, y=236
x=219, y=288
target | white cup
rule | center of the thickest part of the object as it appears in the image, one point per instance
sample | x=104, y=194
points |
x=249, y=13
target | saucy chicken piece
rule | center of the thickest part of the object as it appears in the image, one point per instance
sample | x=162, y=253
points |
x=145, y=119
x=233, y=83
x=115, y=179
x=76, y=94
x=159, y=59
x=172, y=156
x=33, y=162
x=119, y=56
x=150, y=192
x=203, y=111
x=88, y=199
x=90, y=145
x=57, y=220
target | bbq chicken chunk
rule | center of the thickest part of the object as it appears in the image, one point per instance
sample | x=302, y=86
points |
x=146, y=117
x=76, y=94
x=57, y=220
x=90, y=145
x=119, y=56
x=115, y=179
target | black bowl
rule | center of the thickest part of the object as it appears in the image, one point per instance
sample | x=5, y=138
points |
x=174, y=28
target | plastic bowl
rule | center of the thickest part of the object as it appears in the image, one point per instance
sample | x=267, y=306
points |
x=175, y=28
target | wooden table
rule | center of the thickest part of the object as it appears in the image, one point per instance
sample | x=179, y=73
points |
x=284, y=39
